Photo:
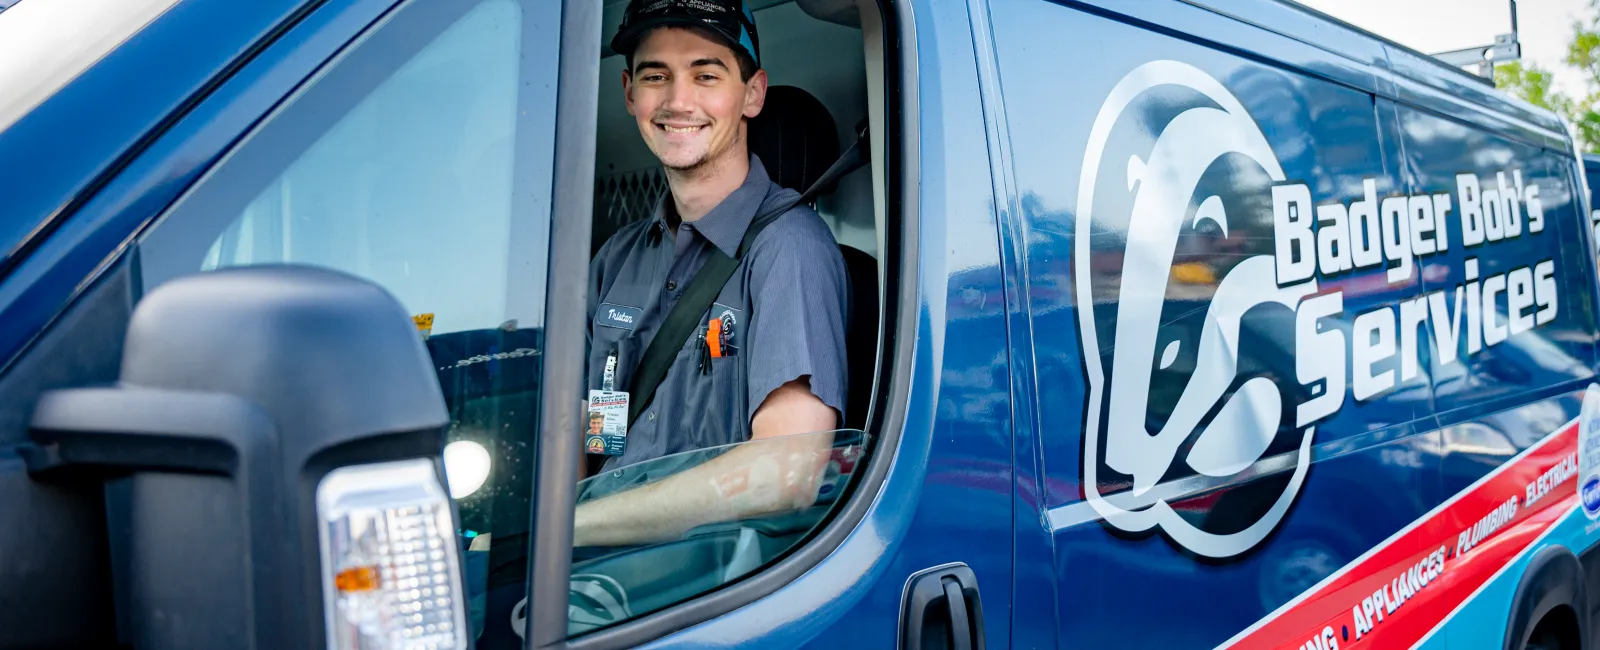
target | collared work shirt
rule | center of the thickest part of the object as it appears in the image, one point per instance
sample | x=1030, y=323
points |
x=783, y=315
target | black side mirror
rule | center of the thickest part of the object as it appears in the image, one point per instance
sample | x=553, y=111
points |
x=274, y=444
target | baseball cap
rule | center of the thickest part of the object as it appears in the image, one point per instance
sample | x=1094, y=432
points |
x=729, y=19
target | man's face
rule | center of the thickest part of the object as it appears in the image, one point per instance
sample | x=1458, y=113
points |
x=685, y=93
x=594, y=426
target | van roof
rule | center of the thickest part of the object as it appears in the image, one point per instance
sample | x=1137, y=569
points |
x=1299, y=22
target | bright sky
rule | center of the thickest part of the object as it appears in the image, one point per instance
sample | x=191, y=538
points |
x=1544, y=27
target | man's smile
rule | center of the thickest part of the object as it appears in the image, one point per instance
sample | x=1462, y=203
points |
x=681, y=128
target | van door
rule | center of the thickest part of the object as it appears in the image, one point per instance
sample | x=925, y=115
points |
x=1512, y=369
x=412, y=144
x=1198, y=344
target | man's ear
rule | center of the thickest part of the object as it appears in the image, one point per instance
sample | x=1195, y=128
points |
x=627, y=89
x=755, y=94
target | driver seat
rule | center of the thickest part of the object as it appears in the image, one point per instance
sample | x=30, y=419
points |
x=796, y=139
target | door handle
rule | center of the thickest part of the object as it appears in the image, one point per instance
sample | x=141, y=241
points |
x=940, y=610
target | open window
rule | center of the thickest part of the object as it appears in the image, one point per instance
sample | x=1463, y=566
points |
x=826, y=76
x=828, y=90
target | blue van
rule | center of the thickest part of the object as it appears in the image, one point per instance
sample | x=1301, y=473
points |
x=1174, y=323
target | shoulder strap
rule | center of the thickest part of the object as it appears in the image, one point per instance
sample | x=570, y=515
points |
x=684, y=318
x=681, y=322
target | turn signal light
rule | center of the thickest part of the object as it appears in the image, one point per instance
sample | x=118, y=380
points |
x=391, y=570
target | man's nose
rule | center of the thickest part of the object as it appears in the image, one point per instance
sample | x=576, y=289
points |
x=680, y=96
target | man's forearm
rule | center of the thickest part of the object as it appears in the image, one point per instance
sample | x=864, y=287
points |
x=754, y=479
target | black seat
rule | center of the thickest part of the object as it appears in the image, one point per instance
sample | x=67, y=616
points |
x=796, y=139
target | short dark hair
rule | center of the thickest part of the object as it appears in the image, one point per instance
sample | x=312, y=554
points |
x=596, y=415
x=747, y=65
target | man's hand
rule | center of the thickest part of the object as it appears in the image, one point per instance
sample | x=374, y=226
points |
x=776, y=471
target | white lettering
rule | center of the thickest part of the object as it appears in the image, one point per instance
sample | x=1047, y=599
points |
x=1374, y=343
x=1530, y=197
x=1474, y=308
x=1544, y=282
x=1446, y=339
x=1413, y=313
x=1291, y=217
x=1441, y=207
x=1319, y=357
x=1367, y=249
x=1471, y=209
x=1333, y=239
x=1396, y=238
x=1519, y=297
x=1494, y=226
x=1420, y=209
x=1510, y=205
x=1494, y=332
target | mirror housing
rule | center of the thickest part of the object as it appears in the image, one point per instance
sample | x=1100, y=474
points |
x=240, y=390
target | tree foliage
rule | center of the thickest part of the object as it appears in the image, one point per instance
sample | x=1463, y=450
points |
x=1534, y=83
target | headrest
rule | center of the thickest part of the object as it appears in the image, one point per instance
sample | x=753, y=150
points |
x=794, y=136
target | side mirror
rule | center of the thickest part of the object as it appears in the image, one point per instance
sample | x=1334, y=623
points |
x=272, y=465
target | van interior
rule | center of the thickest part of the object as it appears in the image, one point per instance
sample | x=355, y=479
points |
x=825, y=75
x=825, y=61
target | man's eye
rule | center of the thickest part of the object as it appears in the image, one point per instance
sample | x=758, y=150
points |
x=708, y=77
x=655, y=78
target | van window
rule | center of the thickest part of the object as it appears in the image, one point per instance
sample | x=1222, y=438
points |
x=400, y=164
x=817, y=104
x=611, y=584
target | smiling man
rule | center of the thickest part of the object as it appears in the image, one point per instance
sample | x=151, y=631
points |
x=768, y=360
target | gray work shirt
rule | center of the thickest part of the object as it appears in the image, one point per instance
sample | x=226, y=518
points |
x=784, y=307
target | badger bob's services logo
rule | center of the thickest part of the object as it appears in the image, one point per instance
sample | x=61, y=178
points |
x=1253, y=381
x=1164, y=187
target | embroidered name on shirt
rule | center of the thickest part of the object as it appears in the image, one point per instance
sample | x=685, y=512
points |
x=618, y=316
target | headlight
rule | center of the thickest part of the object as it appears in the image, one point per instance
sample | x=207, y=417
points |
x=391, y=574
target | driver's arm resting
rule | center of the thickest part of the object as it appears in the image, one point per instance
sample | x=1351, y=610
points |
x=794, y=385
x=750, y=480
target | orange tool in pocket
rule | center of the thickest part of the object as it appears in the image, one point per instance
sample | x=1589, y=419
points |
x=714, y=337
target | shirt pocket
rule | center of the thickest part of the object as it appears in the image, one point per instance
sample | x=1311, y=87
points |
x=609, y=340
x=721, y=376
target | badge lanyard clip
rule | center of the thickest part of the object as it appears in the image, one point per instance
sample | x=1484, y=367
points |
x=608, y=381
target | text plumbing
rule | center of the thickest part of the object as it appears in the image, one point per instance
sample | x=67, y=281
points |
x=1330, y=240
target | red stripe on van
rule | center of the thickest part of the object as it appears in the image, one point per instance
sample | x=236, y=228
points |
x=1329, y=611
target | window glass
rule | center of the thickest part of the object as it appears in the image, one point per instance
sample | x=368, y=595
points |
x=409, y=162
x=769, y=494
x=418, y=213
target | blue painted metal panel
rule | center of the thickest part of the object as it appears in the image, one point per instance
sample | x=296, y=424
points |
x=59, y=265
x=1423, y=81
x=1035, y=583
x=1301, y=24
x=1484, y=378
x=1380, y=459
x=57, y=152
x=1323, y=133
x=1253, y=29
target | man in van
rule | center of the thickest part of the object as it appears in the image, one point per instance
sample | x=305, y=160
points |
x=769, y=360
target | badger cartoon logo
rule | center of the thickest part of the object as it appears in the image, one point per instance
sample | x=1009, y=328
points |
x=1223, y=420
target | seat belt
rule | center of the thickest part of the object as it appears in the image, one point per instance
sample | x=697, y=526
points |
x=702, y=291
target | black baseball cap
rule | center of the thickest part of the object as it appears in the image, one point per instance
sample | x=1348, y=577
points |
x=729, y=19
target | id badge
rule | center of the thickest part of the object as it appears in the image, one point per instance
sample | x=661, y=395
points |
x=607, y=431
